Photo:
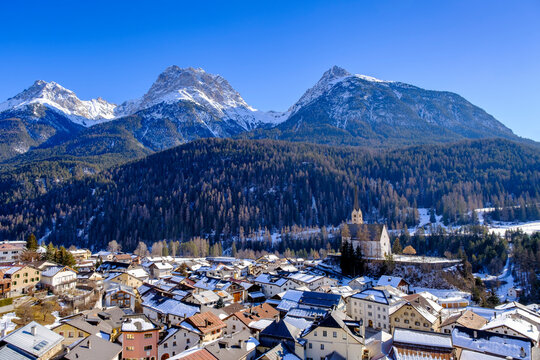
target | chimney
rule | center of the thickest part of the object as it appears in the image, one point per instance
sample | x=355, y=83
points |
x=88, y=344
x=33, y=330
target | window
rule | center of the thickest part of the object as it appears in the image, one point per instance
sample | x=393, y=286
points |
x=397, y=319
x=310, y=346
x=81, y=334
x=148, y=347
x=426, y=325
x=324, y=333
x=322, y=346
x=174, y=343
x=165, y=346
x=130, y=348
x=334, y=334
x=417, y=323
x=130, y=336
x=61, y=333
x=188, y=341
x=406, y=321
x=314, y=333
x=147, y=336
x=71, y=334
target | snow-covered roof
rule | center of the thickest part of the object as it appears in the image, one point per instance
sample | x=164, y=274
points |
x=138, y=323
x=270, y=280
x=518, y=325
x=415, y=337
x=491, y=343
x=138, y=273
x=305, y=278
x=390, y=280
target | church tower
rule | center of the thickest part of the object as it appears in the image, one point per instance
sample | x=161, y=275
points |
x=356, y=216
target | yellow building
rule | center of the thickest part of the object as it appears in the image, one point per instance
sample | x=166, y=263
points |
x=74, y=330
x=127, y=280
x=23, y=278
x=417, y=313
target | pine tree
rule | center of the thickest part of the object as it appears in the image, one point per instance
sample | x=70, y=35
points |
x=51, y=252
x=396, y=247
x=31, y=242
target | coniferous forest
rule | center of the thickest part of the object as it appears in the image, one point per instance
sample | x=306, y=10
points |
x=219, y=188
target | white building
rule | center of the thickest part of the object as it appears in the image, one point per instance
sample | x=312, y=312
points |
x=374, y=307
x=273, y=285
x=59, y=279
x=334, y=337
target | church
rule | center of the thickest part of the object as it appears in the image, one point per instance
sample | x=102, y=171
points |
x=373, y=239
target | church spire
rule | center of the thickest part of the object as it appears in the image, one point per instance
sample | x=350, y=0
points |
x=356, y=206
x=356, y=216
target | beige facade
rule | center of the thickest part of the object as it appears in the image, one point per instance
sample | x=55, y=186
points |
x=408, y=317
x=23, y=278
x=128, y=280
x=70, y=333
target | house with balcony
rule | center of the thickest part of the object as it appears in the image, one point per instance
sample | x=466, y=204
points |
x=59, y=279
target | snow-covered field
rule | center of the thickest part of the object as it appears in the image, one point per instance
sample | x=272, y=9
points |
x=527, y=227
x=7, y=323
x=506, y=279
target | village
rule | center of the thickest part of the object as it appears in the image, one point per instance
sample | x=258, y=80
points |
x=114, y=305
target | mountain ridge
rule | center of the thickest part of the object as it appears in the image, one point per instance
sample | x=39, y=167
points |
x=185, y=104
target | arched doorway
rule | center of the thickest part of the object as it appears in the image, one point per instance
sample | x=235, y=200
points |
x=164, y=356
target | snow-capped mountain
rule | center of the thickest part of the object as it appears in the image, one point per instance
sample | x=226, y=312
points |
x=208, y=91
x=185, y=104
x=344, y=108
x=58, y=98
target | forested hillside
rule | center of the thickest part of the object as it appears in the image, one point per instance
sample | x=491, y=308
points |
x=220, y=187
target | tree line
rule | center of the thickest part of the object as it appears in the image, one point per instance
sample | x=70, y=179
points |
x=218, y=188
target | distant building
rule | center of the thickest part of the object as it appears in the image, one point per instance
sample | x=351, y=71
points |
x=373, y=239
x=10, y=251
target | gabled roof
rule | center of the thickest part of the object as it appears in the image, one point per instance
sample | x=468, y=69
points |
x=468, y=319
x=52, y=271
x=249, y=315
x=279, y=352
x=206, y=322
x=337, y=320
x=34, y=339
x=93, y=347
x=393, y=281
x=367, y=232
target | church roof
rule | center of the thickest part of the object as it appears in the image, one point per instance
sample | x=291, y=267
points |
x=369, y=232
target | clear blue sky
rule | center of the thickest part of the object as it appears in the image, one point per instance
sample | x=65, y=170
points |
x=271, y=52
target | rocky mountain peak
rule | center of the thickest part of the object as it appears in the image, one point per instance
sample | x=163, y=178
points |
x=56, y=97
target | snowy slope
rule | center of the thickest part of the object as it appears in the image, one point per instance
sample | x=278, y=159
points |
x=209, y=91
x=60, y=99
